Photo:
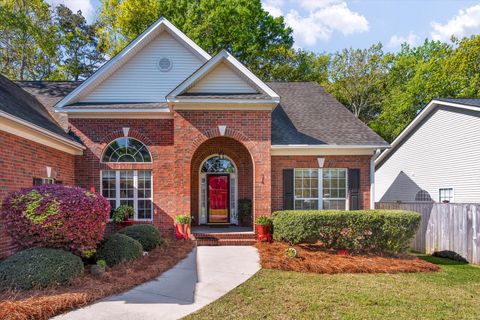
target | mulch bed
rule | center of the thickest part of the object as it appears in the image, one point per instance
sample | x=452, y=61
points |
x=46, y=303
x=312, y=258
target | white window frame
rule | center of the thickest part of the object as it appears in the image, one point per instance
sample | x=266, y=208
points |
x=320, y=188
x=446, y=188
x=135, y=191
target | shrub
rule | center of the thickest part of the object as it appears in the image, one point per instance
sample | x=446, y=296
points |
x=119, y=248
x=148, y=236
x=122, y=213
x=371, y=230
x=56, y=216
x=39, y=267
x=183, y=219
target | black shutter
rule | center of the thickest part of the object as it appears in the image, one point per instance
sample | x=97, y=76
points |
x=288, y=189
x=37, y=181
x=354, y=188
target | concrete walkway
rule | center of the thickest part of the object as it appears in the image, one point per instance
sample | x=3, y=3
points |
x=204, y=276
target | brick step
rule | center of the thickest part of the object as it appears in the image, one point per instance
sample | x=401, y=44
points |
x=230, y=236
x=225, y=242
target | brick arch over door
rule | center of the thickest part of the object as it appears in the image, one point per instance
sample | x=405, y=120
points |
x=234, y=150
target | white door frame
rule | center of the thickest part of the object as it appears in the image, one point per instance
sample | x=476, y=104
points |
x=202, y=191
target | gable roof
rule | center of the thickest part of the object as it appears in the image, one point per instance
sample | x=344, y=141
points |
x=126, y=53
x=263, y=91
x=460, y=103
x=308, y=115
x=16, y=103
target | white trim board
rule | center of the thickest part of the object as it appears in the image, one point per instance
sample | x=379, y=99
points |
x=431, y=106
x=29, y=131
x=324, y=150
x=113, y=64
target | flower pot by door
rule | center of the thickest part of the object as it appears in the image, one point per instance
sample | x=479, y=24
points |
x=263, y=233
x=182, y=231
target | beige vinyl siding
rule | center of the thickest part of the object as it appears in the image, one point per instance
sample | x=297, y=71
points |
x=443, y=152
x=140, y=80
x=222, y=80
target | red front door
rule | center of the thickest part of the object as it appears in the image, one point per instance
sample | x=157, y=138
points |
x=218, y=198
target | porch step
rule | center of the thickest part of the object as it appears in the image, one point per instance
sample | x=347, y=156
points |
x=225, y=242
x=225, y=239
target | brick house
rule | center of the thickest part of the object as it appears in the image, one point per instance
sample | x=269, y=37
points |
x=169, y=130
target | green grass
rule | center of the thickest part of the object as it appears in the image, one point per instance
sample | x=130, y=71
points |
x=452, y=293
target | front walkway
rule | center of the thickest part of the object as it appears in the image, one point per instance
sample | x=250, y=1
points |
x=204, y=276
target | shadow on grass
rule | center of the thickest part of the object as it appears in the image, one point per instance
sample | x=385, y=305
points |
x=441, y=261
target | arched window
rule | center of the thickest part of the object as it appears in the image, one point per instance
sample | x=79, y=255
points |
x=126, y=150
x=218, y=164
x=422, y=196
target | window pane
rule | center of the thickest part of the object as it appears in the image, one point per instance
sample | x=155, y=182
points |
x=144, y=209
x=126, y=150
x=334, y=204
x=126, y=184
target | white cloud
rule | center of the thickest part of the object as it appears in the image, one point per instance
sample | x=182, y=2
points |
x=274, y=7
x=465, y=23
x=323, y=19
x=85, y=6
x=396, y=41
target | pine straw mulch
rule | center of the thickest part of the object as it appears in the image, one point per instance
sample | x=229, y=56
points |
x=314, y=258
x=46, y=303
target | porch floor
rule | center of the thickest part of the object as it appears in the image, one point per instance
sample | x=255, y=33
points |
x=226, y=229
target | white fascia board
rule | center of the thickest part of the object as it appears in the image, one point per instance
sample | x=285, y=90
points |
x=106, y=111
x=323, y=150
x=222, y=55
x=273, y=101
x=38, y=134
x=417, y=120
x=125, y=52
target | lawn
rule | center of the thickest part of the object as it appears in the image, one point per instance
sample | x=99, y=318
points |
x=453, y=292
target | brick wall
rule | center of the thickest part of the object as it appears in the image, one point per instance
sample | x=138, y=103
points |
x=289, y=162
x=20, y=161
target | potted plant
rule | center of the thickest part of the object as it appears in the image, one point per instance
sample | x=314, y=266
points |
x=263, y=226
x=245, y=212
x=99, y=268
x=123, y=214
x=182, y=226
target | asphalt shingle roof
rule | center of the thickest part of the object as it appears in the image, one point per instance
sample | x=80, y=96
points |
x=19, y=103
x=465, y=101
x=307, y=114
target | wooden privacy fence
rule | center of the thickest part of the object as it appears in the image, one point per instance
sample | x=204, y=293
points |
x=445, y=226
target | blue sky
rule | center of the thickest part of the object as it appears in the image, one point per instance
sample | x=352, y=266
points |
x=331, y=25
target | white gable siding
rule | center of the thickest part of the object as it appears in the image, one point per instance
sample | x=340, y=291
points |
x=140, y=80
x=444, y=152
x=222, y=80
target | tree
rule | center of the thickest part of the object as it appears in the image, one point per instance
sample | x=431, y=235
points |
x=241, y=27
x=28, y=43
x=80, y=56
x=357, y=78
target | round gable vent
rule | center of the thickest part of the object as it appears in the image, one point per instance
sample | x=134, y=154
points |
x=165, y=64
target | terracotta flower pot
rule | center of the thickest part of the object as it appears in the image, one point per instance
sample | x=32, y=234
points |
x=182, y=231
x=342, y=252
x=263, y=232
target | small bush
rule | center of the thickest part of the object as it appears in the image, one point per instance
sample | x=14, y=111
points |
x=371, y=230
x=39, y=267
x=263, y=221
x=56, y=216
x=119, y=248
x=183, y=219
x=146, y=234
x=449, y=255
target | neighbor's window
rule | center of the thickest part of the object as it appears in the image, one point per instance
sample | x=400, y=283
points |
x=130, y=187
x=42, y=181
x=446, y=195
x=126, y=150
x=331, y=193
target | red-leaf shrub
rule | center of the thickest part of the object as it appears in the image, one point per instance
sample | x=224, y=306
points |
x=56, y=216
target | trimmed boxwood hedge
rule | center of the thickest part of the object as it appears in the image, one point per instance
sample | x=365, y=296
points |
x=39, y=267
x=389, y=231
x=119, y=248
x=146, y=234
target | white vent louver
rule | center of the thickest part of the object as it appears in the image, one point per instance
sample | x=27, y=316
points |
x=165, y=64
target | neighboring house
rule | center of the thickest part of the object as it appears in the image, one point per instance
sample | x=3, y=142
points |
x=35, y=150
x=170, y=130
x=436, y=158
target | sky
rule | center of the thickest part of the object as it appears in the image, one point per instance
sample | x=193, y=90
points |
x=332, y=25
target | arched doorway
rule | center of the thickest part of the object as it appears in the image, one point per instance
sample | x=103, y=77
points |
x=221, y=175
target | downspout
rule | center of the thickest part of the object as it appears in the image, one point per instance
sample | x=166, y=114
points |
x=372, y=178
